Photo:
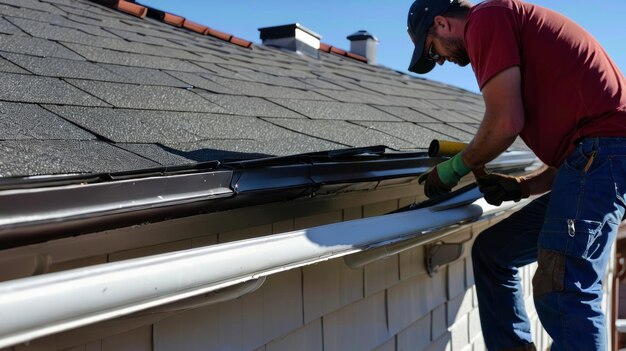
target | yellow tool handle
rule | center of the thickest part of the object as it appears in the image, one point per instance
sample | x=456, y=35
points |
x=446, y=148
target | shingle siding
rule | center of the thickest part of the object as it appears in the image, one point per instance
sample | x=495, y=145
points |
x=390, y=304
x=359, y=326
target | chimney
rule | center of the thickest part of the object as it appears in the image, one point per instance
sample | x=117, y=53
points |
x=293, y=37
x=364, y=44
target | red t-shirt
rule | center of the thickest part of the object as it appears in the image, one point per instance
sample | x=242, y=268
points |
x=570, y=86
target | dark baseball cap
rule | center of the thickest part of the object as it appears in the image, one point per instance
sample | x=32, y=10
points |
x=421, y=16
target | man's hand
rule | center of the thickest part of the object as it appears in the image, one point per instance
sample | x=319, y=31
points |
x=441, y=179
x=499, y=187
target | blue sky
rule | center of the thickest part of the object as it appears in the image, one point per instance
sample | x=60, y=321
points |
x=385, y=19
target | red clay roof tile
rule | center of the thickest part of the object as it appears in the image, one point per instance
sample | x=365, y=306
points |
x=241, y=42
x=131, y=8
x=196, y=27
x=356, y=57
x=173, y=19
x=221, y=35
x=325, y=47
x=338, y=51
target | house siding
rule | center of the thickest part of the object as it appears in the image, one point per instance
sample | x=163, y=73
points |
x=389, y=304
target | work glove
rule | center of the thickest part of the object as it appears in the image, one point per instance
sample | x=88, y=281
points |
x=441, y=179
x=500, y=187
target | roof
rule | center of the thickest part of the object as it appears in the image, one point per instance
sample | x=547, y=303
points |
x=85, y=88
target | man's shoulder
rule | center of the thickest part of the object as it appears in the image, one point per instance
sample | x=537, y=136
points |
x=502, y=4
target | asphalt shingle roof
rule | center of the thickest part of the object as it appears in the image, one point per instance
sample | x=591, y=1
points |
x=86, y=88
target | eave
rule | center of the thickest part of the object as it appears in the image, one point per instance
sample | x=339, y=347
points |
x=98, y=202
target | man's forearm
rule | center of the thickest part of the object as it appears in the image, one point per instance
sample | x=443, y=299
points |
x=483, y=149
x=503, y=119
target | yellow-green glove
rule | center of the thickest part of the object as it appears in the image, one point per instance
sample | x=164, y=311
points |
x=441, y=179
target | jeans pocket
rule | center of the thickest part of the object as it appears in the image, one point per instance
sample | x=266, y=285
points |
x=550, y=274
x=577, y=160
x=573, y=237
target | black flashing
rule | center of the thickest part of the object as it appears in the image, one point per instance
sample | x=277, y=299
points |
x=361, y=35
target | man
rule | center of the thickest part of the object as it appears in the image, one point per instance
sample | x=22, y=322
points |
x=545, y=79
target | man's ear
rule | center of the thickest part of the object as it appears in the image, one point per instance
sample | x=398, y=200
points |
x=442, y=23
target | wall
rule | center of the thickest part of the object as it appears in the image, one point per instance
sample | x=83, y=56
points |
x=390, y=304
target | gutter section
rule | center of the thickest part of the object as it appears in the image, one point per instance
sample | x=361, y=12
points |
x=92, y=294
x=99, y=202
x=35, y=205
x=33, y=215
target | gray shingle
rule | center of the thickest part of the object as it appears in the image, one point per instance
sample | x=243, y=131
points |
x=147, y=97
x=218, y=150
x=471, y=128
x=124, y=126
x=417, y=136
x=353, y=96
x=264, y=90
x=156, y=153
x=407, y=114
x=130, y=59
x=447, y=115
x=475, y=115
x=35, y=46
x=417, y=104
x=335, y=110
x=274, y=80
x=340, y=132
x=197, y=81
x=136, y=126
x=321, y=84
x=205, y=58
x=56, y=21
x=8, y=28
x=47, y=31
x=34, y=157
x=460, y=105
x=28, y=121
x=32, y=4
x=286, y=144
x=176, y=52
x=55, y=67
x=136, y=37
x=26, y=88
x=405, y=92
x=147, y=76
x=449, y=131
x=293, y=72
x=86, y=9
x=7, y=66
x=220, y=70
x=249, y=106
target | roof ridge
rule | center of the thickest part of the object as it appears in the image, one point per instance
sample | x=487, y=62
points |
x=335, y=50
x=141, y=11
x=131, y=7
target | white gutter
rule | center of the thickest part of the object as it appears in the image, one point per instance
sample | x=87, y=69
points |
x=37, y=306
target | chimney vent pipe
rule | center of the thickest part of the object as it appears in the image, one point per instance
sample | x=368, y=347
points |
x=364, y=44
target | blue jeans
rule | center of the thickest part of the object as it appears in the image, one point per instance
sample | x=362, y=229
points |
x=569, y=232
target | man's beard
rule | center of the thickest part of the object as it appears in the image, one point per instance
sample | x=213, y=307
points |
x=456, y=47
